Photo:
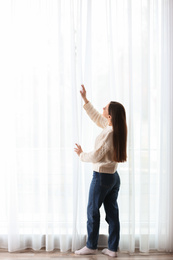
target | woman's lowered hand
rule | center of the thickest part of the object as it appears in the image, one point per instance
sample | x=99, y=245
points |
x=78, y=149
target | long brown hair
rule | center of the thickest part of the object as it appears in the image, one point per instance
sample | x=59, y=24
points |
x=118, y=114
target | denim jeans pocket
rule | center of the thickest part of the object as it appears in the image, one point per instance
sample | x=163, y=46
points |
x=106, y=180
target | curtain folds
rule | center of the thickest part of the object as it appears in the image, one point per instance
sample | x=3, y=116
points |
x=165, y=220
x=120, y=50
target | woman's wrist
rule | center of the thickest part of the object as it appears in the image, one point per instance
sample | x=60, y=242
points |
x=86, y=100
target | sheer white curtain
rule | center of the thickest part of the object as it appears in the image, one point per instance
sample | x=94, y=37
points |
x=165, y=220
x=121, y=50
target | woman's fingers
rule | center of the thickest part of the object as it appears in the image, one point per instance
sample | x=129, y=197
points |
x=78, y=149
x=83, y=91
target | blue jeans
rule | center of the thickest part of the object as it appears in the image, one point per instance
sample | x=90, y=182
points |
x=103, y=189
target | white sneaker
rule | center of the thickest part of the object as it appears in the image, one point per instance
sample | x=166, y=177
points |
x=86, y=251
x=109, y=252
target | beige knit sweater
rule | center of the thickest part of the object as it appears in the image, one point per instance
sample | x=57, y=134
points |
x=101, y=156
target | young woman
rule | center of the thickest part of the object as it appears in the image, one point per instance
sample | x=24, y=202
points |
x=110, y=148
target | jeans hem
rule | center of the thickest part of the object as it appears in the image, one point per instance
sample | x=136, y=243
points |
x=91, y=248
x=113, y=250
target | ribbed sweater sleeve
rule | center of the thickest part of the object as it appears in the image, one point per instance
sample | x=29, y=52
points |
x=102, y=147
x=96, y=155
x=95, y=115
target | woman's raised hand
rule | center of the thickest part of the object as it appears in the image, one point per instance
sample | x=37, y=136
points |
x=83, y=94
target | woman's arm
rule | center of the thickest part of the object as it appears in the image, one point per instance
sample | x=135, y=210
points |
x=97, y=154
x=92, y=112
x=94, y=156
x=95, y=116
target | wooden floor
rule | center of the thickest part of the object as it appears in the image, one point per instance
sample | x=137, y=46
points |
x=42, y=254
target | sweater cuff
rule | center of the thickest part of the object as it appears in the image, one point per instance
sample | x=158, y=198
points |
x=80, y=156
x=87, y=105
